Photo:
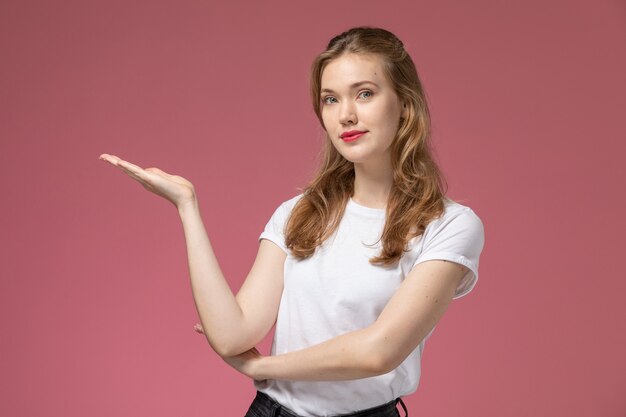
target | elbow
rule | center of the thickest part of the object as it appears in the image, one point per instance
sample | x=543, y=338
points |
x=383, y=356
x=231, y=343
x=225, y=349
x=228, y=351
x=381, y=363
x=375, y=364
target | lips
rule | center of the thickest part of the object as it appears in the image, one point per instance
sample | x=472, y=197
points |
x=352, y=135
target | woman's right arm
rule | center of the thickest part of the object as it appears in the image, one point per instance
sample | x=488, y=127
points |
x=231, y=324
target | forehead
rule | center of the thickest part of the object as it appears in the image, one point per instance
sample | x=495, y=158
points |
x=350, y=68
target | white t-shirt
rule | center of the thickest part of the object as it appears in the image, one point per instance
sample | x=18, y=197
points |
x=337, y=290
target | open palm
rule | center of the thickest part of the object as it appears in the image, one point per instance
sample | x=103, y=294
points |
x=174, y=188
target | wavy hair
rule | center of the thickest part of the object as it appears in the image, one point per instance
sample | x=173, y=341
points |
x=418, y=191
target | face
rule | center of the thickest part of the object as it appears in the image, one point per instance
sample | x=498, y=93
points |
x=357, y=97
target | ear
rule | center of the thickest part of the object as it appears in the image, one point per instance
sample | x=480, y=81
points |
x=405, y=111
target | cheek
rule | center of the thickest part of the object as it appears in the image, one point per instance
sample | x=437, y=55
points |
x=392, y=109
x=326, y=119
x=388, y=120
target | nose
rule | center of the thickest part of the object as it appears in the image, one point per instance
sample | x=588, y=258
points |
x=347, y=113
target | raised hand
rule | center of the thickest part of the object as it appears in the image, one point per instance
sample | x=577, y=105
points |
x=173, y=188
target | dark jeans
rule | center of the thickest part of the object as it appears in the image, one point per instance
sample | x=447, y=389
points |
x=264, y=406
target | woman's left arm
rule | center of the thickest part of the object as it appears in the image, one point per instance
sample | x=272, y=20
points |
x=411, y=313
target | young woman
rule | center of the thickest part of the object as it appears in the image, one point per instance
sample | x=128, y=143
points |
x=357, y=269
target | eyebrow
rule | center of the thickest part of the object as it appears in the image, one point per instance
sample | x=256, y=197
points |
x=352, y=87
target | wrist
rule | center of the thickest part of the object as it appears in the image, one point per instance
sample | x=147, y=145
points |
x=259, y=368
x=188, y=205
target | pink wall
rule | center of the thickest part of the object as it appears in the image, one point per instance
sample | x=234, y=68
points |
x=96, y=311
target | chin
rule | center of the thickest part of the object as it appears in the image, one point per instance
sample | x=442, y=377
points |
x=355, y=159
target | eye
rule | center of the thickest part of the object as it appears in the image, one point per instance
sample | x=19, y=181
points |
x=369, y=94
x=326, y=100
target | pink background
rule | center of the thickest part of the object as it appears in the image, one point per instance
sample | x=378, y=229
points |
x=96, y=311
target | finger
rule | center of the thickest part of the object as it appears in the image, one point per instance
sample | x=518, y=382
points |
x=157, y=171
x=111, y=159
x=130, y=167
x=119, y=162
x=136, y=177
x=131, y=172
x=134, y=171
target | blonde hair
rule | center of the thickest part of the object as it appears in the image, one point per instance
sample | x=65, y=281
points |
x=418, y=191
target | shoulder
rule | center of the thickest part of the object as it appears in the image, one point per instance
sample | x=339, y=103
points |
x=288, y=205
x=457, y=222
x=284, y=209
x=294, y=200
x=455, y=213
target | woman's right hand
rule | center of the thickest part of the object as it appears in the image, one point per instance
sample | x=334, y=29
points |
x=174, y=188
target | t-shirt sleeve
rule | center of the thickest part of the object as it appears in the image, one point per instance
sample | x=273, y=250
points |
x=456, y=238
x=274, y=228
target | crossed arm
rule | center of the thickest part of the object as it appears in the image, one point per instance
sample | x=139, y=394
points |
x=234, y=324
x=412, y=312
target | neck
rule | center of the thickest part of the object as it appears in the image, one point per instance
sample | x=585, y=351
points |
x=372, y=184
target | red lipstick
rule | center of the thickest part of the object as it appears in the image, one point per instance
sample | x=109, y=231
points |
x=352, y=135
